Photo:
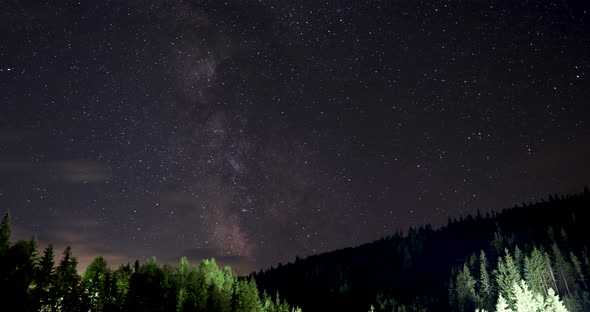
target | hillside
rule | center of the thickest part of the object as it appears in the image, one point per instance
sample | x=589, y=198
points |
x=414, y=271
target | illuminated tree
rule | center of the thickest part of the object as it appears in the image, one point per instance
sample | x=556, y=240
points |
x=467, y=299
x=245, y=297
x=553, y=304
x=506, y=275
x=182, y=278
x=526, y=300
x=502, y=305
x=485, y=284
x=95, y=280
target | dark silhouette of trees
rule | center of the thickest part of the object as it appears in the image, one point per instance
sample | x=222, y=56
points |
x=531, y=256
x=42, y=294
x=459, y=267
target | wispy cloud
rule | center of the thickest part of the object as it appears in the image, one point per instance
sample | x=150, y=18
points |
x=80, y=171
x=81, y=235
x=8, y=136
x=71, y=171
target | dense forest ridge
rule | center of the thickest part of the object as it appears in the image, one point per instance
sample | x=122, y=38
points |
x=441, y=270
x=529, y=258
x=32, y=283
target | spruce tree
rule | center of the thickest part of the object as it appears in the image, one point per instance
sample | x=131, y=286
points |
x=506, y=275
x=245, y=297
x=467, y=298
x=4, y=235
x=563, y=270
x=535, y=271
x=95, y=283
x=578, y=269
x=525, y=299
x=485, y=285
x=553, y=303
x=502, y=305
x=44, y=279
x=67, y=292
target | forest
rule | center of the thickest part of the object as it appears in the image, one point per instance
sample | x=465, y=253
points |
x=533, y=257
x=33, y=282
x=537, y=251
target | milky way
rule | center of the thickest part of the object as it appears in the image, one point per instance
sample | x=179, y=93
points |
x=255, y=131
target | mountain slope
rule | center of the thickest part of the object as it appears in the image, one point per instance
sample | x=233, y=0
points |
x=415, y=269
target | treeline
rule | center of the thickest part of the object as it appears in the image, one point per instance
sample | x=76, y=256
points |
x=33, y=282
x=418, y=270
x=536, y=279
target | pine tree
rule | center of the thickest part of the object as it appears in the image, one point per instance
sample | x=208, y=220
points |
x=497, y=243
x=67, y=292
x=518, y=258
x=578, y=269
x=563, y=270
x=467, y=298
x=506, y=275
x=19, y=282
x=44, y=279
x=4, y=234
x=525, y=299
x=502, y=305
x=535, y=271
x=553, y=304
x=94, y=280
x=453, y=303
x=485, y=285
x=182, y=276
x=245, y=297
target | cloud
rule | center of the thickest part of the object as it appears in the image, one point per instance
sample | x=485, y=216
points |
x=71, y=171
x=81, y=235
x=13, y=135
x=80, y=171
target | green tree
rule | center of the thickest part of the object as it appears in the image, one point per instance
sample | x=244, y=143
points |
x=536, y=271
x=245, y=297
x=578, y=269
x=182, y=276
x=146, y=288
x=526, y=300
x=553, y=303
x=485, y=285
x=119, y=287
x=518, y=258
x=563, y=270
x=95, y=281
x=502, y=305
x=467, y=299
x=67, y=291
x=170, y=286
x=506, y=275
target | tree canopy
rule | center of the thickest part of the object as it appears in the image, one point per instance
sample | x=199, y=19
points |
x=34, y=283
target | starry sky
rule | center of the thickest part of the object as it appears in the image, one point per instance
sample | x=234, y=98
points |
x=255, y=131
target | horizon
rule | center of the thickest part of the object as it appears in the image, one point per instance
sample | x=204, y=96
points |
x=86, y=259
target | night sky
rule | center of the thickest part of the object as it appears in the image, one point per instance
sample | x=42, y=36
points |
x=255, y=131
